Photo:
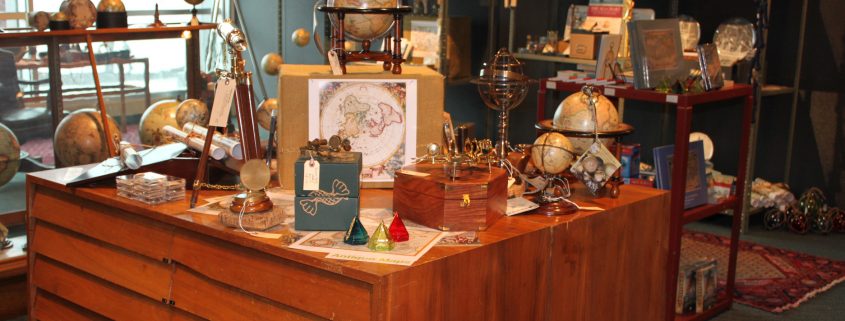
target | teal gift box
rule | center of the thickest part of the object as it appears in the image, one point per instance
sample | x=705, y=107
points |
x=335, y=201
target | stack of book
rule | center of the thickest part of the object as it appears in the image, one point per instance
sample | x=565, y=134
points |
x=697, y=286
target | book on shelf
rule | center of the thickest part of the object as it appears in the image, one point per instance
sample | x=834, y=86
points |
x=696, y=182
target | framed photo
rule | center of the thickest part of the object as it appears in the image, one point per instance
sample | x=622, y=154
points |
x=657, y=52
x=711, y=68
x=696, y=189
x=378, y=116
x=608, y=50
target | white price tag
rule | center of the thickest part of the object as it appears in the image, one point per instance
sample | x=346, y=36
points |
x=223, y=96
x=311, y=175
x=609, y=91
x=551, y=85
x=334, y=62
x=672, y=99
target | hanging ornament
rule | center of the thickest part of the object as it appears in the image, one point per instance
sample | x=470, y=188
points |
x=595, y=167
x=397, y=229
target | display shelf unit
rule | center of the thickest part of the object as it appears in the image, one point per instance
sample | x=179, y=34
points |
x=679, y=216
x=553, y=58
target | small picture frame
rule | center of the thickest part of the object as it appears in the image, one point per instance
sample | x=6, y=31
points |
x=656, y=52
x=711, y=68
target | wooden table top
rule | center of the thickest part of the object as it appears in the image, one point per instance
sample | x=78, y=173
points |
x=175, y=213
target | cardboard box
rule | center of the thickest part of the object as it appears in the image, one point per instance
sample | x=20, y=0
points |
x=293, y=97
x=312, y=213
x=344, y=167
x=584, y=45
x=630, y=159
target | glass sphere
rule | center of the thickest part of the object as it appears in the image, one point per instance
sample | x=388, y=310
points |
x=10, y=155
x=154, y=119
x=364, y=26
x=735, y=39
x=574, y=113
x=551, y=153
x=80, y=138
x=192, y=111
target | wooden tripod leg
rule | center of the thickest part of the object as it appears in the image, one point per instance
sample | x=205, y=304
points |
x=203, y=165
x=104, y=116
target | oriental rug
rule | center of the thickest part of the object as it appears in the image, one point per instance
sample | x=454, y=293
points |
x=767, y=278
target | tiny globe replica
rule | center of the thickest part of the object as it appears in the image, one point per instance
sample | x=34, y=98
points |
x=59, y=21
x=111, y=14
x=39, y=20
x=502, y=86
x=270, y=63
x=81, y=13
x=551, y=154
x=300, y=37
x=192, y=111
x=80, y=138
x=265, y=111
x=10, y=155
x=362, y=27
x=160, y=114
x=574, y=114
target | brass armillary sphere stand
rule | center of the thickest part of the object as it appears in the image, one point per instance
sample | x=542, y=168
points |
x=502, y=86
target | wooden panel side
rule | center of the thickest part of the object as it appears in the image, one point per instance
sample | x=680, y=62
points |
x=325, y=294
x=13, y=297
x=611, y=266
x=107, y=224
x=501, y=281
x=95, y=294
x=420, y=208
x=215, y=301
x=126, y=269
x=49, y=307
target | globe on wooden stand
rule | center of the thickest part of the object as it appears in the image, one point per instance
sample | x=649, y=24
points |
x=366, y=23
x=552, y=154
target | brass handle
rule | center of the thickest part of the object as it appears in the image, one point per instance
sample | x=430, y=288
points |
x=466, y=202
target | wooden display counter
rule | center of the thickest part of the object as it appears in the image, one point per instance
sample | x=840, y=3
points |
x=94, y=255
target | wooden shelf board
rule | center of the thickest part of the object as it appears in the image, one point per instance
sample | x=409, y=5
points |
x=721, y=306
x=553, y=58
x=628, y=92
x=30, y=38
x=707, y=210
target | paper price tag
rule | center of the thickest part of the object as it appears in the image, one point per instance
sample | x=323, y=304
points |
x=223, y=96
x=311, y=175
x=609, y=91
x=334, y=62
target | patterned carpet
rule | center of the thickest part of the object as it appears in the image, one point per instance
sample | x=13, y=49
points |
x=43, y=147
x=767, y=278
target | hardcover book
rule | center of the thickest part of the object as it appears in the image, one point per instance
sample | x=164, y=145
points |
x=696, y=185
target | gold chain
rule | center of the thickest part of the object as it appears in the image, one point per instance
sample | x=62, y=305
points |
x=217, y=186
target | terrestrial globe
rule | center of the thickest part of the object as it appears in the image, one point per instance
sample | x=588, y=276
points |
x=265, y=110
x=111, y=6
x=552, y=153
x=80, y=138
x=574, y=113
x=270, y=63
x=192, y=111
x=81, y=13
x=362, y=27
x=10, y=155
x=154, y=119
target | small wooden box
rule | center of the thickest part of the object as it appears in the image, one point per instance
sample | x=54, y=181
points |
x=424, y=194
x=584, y=45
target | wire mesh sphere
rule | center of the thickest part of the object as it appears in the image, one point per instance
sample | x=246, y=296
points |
x=501, y=82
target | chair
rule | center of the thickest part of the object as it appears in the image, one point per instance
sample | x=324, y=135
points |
x=26, y=123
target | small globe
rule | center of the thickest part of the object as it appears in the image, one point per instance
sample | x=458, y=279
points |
x=81, y=13
x=552, y=153
x=58, y=16
x=364, y=27
x=39, y=20
x=194, y=2
x=80, y=138
x=10, y=155
x=300, y=37
x=574, y=113
x=154, y=119
x=192, y=111
x=265, y=110
x=111, y=6
x=270, y=63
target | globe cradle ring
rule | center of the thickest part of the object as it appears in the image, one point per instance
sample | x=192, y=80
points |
x=622, y=129
x=353, y=10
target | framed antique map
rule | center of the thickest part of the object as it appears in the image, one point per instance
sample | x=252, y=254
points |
x=378, y=117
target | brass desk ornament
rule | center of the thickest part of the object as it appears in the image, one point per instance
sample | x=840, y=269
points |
x=255, y=175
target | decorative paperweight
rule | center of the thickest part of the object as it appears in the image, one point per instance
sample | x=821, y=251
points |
x=150, y=187
x=381, y=241
x=397, y=229
x=357, y=234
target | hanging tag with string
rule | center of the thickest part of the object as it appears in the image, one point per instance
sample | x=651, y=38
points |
x=597, y=165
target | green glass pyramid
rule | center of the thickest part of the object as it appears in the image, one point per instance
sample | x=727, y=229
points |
x=381, y=240
x=357, y=234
